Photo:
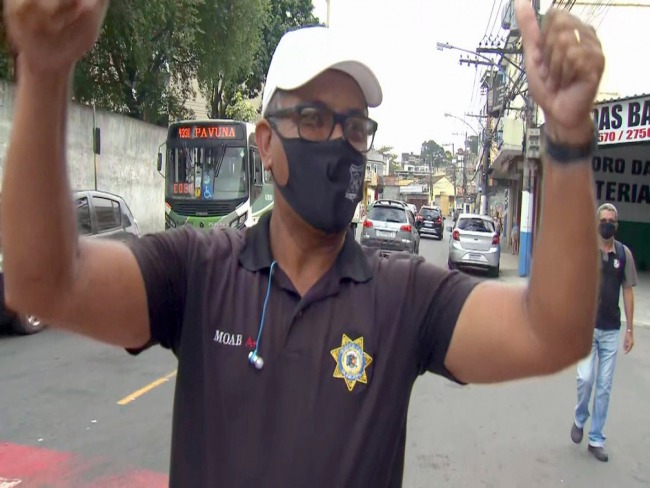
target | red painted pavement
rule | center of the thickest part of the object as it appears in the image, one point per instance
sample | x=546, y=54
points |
x=37, y=467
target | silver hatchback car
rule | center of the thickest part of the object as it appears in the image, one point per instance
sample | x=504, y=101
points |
x=475, y=244
x=390, y=227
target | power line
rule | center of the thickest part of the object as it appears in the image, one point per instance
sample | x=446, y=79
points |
x=607, y=10
x=487, y=26
x=496, y=17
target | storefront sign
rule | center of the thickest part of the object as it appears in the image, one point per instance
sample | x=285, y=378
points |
x=623, y=121
x=412, y=189
x=622, y=177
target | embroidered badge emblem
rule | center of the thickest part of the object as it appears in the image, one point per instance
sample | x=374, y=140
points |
x=617, y=263
x=356, y=182
x=351, y=362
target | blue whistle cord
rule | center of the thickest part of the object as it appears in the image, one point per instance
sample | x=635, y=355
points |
x=266, y=303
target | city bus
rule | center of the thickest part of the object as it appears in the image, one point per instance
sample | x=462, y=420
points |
x=213, y=175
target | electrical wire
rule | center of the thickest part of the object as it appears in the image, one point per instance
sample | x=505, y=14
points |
x=496, y=17
x=606, y=10
x=487, y=26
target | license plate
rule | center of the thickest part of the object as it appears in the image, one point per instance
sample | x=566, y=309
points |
x=428, y=224
x=388, y=235
x=476, y=257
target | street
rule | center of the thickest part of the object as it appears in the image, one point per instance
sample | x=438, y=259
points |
x=74, y=413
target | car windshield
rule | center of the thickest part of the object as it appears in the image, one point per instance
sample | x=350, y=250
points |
x=429, y=212
x=476, y=225
x=388, y=214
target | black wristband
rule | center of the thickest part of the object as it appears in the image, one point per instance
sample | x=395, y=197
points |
x=570, y=154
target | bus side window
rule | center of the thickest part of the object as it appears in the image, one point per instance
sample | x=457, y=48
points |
x=257, y=174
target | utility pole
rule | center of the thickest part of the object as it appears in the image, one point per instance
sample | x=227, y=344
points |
x=487, y=130
x=328, y=12
x=463, y=170
x=430, y=180
x=465, y=156
x=454, y=164
x=527, y=216
x=487, y=145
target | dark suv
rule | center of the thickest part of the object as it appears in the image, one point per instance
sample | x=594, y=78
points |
x=99, y=214
x=390, y=227
x=430, y=221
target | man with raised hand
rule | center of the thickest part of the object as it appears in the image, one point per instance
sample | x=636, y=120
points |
x=297, y=349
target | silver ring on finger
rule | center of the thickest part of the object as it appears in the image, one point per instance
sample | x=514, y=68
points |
x=576, y=32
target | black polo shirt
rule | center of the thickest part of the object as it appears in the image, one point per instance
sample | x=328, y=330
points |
x=329, y=407
x=613, y=276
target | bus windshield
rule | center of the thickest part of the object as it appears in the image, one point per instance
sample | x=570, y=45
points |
x=214, y=172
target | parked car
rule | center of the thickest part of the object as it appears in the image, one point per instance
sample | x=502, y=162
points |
x=390, y=227
x=99, y=215
x=432, y=222
x=475, y=244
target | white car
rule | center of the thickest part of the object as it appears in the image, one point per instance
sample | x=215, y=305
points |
x=475, y=244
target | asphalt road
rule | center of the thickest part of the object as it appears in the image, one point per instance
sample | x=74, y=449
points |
x=74, y=413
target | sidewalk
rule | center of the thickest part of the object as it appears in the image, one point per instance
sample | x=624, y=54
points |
x=510, y=274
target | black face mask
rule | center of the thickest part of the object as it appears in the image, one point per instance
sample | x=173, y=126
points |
x=607, y=230
x=325, y=181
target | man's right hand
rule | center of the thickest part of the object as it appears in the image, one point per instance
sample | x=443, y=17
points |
x=50, y=36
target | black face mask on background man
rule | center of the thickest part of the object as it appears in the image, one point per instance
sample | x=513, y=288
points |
x=325, y=181
x=607, y=230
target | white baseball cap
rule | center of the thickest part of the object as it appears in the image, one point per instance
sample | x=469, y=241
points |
x=305, y=53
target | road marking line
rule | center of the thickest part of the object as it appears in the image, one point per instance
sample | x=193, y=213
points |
x=136, y=394
x=5, y=483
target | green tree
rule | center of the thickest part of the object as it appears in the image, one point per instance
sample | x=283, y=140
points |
x=6, y=55
x=472, y=144
x=388, y=152
x=431, y=152
x=143, y=63
x=230, y=33
x=283, y=16
x=241, y=109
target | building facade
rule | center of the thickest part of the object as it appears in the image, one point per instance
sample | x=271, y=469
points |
x=622, y=169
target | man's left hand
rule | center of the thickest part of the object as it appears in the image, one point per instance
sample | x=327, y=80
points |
x=628, y=344
x=564, y=65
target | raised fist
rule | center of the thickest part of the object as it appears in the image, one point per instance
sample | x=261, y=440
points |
x=52, y=35
x=564, y=66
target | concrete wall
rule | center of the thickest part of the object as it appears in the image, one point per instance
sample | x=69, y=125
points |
x=126, y=165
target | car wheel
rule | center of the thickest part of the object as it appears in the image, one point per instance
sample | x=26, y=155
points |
x=27, y=324
x=451, y=265
x=494, y=272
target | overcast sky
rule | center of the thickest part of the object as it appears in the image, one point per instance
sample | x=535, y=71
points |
x=421, y=83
